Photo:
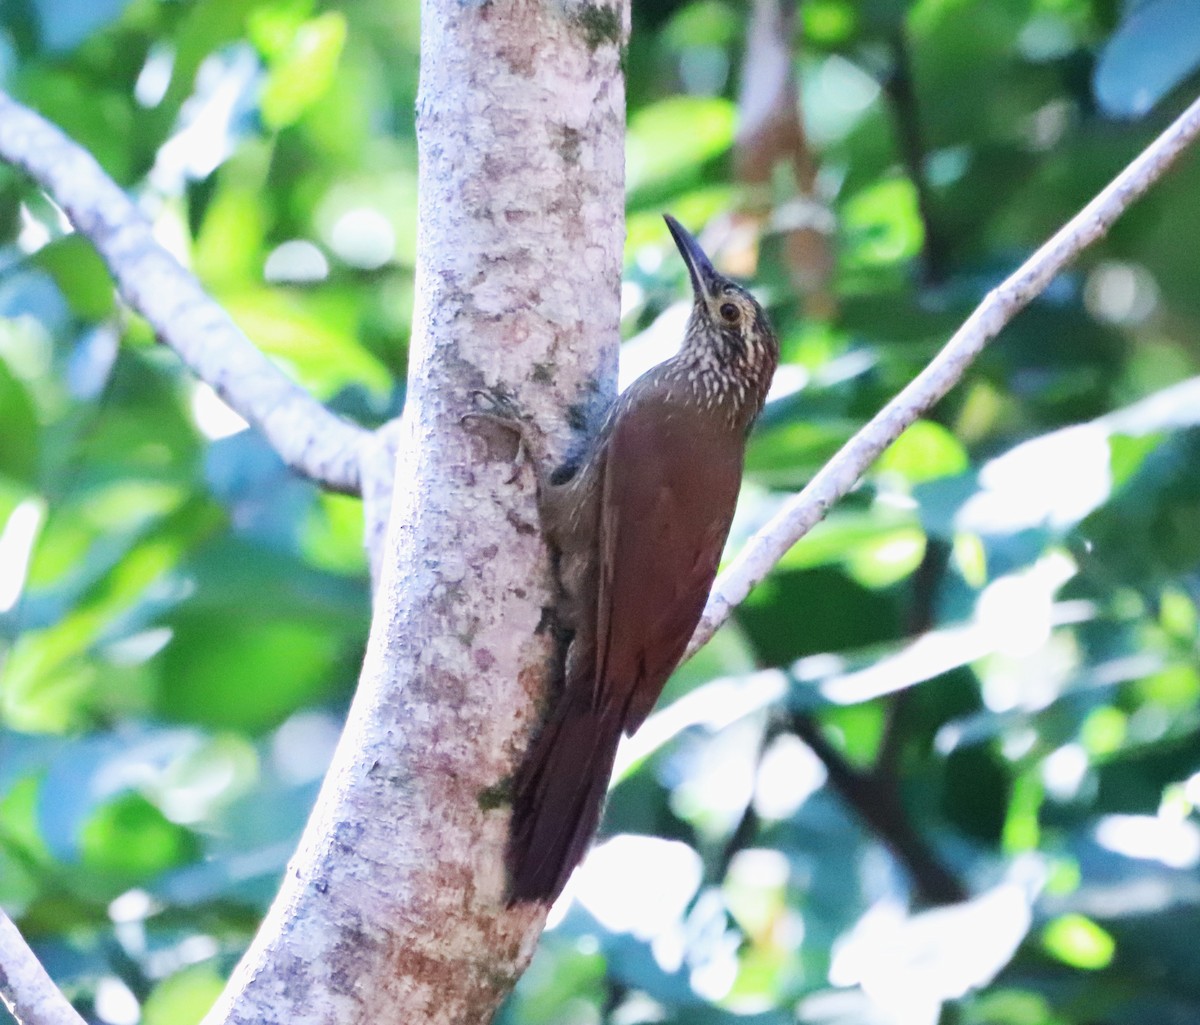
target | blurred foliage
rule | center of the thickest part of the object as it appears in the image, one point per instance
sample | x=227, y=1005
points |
x=978, y=675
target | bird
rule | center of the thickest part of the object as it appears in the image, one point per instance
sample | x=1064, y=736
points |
x=637, y=525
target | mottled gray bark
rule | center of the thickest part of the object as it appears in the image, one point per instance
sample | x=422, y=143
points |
x=25, y=988
x=393, y=907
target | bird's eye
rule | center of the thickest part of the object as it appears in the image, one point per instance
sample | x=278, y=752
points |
x=730, y=313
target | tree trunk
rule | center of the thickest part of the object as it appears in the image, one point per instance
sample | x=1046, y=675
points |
x=393, y=907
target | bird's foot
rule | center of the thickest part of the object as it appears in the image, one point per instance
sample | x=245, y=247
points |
x=500, y=410
x=497, y=405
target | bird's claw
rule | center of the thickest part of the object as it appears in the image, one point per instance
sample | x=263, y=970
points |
x=502, y=412
x=500, y=405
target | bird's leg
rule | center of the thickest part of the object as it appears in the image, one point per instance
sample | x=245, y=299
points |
x=501, y=411
x=558, y=490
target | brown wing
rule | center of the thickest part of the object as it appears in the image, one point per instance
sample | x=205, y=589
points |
x=670, y=485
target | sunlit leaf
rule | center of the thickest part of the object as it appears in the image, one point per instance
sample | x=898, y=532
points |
x=81, y=275
x=829, y=22
x=1078, y=941
x=1104, y=730
x=858, y=539
x=1012, y=1007
x=332, y=536
x=674, y=135
x=319, y=345
x=183, y=998
x=925, y=451
x=302, y=73
x=884, y=561
x=229, y=246
x=273, y=26
x=1177, y=687
x=1022, y=830
x=46, y=677
x=882, y=225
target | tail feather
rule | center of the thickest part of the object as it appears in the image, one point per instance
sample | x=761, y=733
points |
x=559, y=797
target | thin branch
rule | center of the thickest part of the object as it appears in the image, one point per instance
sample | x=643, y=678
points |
x=744, y=832
x=922, y=614
x=901, y=92
x=307, y=436
x=802, y=512
x=880, y=808
x=27, y=991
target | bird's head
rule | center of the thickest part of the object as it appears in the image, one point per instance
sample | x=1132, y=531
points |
x=728, y=331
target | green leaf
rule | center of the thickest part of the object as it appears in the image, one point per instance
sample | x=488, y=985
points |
x=848, y=537
x=924, y=452
x=829, y=23
x=1079, y=942
x=273, y=27
x=884, y=561
x=206, y=26
x=673, y=136
x=45, y=678
x=93, y=113
x=305, y=71
x=19, y=438
x=563, y=978
x=1022, y=830
x=19, y=832
x=1011, y=1007
x=314, y=338
x=183, y=998
x=788, y=454
x=858, y=728
x=1103, y=731
x=81, y=276
x=258, y=673
x=331, y=537
x=1128, y=454
x=881, y=225
x=130, y=840
x=229, y=247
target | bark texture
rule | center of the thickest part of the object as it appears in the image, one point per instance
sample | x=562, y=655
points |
x=393, y=907
x=25, y=989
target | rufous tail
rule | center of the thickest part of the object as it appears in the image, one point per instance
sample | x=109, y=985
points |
x=558, y=798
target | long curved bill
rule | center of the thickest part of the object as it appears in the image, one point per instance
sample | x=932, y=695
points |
x=698, y=264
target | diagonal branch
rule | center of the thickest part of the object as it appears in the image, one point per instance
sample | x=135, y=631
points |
x=27, y=991
x=879, y=805
x=307, y=436
x=901, y=91
x=802, y=512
